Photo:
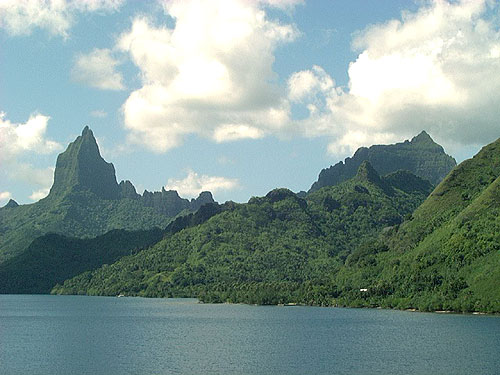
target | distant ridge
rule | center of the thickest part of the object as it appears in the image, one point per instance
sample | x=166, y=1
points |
x=278, y=248
x=421, y=156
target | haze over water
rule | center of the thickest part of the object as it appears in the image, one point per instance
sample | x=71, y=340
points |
x=98, y=335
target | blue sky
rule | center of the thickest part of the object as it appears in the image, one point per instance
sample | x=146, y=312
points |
x=239, y=96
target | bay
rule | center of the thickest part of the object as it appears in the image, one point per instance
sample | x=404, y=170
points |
x=41, y=334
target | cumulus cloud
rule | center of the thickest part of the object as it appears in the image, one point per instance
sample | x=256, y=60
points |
x=30, y=136
x=21, y=17
x=436, y=69
x=211, y=74
x=98, y=69
x=30, y=175
x=18, y=140
x=281, y=4
x=193, y=184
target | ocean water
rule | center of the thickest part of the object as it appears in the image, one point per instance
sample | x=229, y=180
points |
x=68, y=335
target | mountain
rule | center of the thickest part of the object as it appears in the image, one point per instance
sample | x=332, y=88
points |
x=421, y=155
x=85, y=201
x=277, y=248
x=53, y=258
x=81, y=168
x=446, y=256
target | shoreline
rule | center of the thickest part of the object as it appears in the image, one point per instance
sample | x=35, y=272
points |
x=289, y=304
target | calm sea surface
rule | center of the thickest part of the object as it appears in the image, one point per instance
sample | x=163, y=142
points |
x=73, y=335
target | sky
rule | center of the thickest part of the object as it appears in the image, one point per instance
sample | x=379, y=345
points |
x=239, y=96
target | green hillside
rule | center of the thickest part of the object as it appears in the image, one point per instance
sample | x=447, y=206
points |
x=53, y=258
x=277, y=248
x=446, y=257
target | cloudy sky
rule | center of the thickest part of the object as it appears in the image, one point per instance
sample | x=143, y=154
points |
x=239, y=96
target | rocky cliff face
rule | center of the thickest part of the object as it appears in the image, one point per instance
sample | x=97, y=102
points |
x=169, y=203
x=81, y=168
x=421, y=156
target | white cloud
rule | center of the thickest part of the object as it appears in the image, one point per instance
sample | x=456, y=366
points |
x=282, y=4
x=39, y=194
x=232, y=132
x=436, y=69
x=212, y=69
x=18, y=140
x=5, y=195
x=98, y=69
x=306, y=84
x=21, y=17
x=99, y=113
x=193, y=184
x=28, y=137
x=41, y=177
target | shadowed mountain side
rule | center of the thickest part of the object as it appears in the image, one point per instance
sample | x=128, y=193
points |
x=421, y=156
x=53, y=258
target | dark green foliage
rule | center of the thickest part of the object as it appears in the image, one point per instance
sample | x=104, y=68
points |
x=342, y=245
x=422, y=156
x=53, y=258
x=275, y=249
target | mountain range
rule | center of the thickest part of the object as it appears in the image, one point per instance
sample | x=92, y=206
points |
x=446, y=256
x=368, y=238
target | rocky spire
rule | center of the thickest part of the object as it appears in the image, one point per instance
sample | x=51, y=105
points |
x=81, y=168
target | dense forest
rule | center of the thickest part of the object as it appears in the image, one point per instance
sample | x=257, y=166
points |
x=280, y=240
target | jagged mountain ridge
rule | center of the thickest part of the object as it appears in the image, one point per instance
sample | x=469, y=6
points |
x=81, y=168
x=85, y=200
x=421, y=156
